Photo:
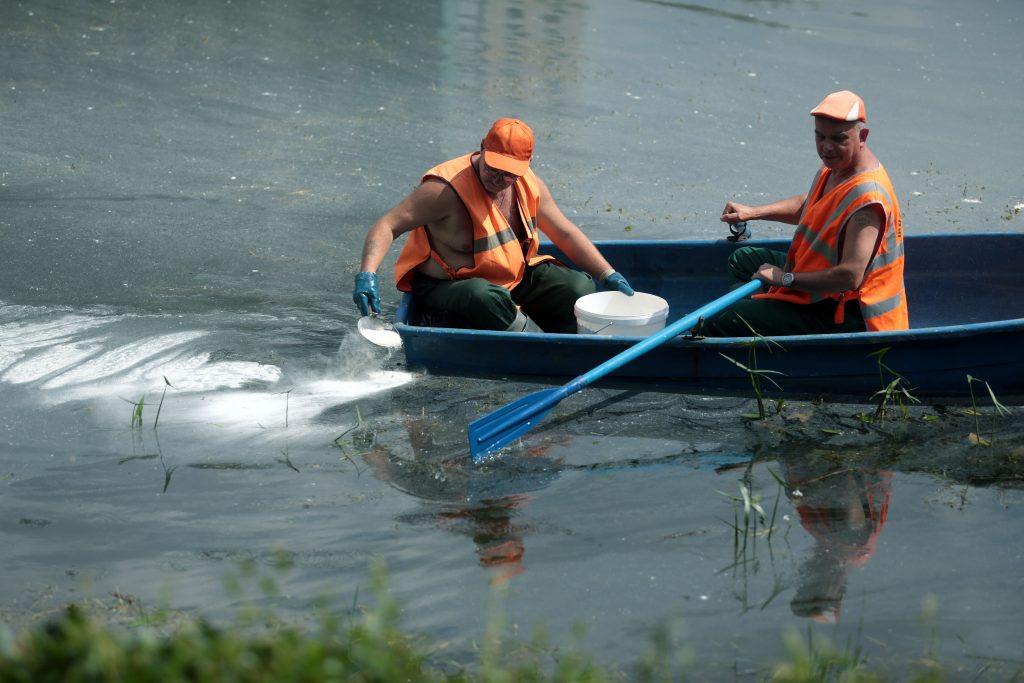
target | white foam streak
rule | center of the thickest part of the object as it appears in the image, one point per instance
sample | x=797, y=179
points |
x=61, y=360
x=242, y=411
x=121, y=359
x=50, y=361
x=19, y=339
x=23, y=336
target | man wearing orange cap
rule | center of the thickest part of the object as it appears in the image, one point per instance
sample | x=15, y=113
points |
x=471, y=257
x=844, y=268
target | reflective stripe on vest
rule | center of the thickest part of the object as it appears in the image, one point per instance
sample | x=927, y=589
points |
x=815, y=247
x=816, y=241
x=498, y=255
x=493, y=241
x=882, y=307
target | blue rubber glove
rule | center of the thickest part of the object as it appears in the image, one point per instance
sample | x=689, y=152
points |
x=616, y=282
x=366, y=294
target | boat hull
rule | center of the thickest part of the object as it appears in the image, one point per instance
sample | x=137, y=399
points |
x=966, y=307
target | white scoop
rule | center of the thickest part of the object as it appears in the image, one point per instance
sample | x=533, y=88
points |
x=379, y=331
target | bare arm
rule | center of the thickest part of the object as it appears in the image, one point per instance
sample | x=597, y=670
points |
x=568, y=237
x=428, y=203
x=859, y=239
x=784, y=211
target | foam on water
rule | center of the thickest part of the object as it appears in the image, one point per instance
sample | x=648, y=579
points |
x=62, y=357
x=122, y=359
x=241, y=411
x=51, y=360
x=19, y=338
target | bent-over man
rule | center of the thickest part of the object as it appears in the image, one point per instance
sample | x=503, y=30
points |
x=471, y=258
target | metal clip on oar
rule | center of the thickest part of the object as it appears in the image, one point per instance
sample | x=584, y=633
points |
x=490, y=432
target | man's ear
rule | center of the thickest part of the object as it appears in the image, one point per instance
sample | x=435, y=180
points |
x=864, y=134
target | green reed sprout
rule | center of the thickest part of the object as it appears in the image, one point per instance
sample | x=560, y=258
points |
x=136, y=410
x=752, y=511
x=895, y=391
x=287, y=398
x=160, y=406
x=1000, y=410
x=755, y=373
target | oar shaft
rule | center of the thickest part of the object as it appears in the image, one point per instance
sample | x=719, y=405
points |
x=500, y=427
x=660, y=337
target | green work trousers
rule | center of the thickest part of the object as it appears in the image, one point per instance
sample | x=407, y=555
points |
x=770, y=317
x=547, y=294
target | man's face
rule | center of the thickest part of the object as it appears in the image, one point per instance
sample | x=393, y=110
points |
x=838, y=142
x=493, y=179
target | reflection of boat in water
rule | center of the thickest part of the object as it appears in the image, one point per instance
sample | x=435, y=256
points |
x=490, y=503
x=486, y=504
x=956, y=331
x=844, y=510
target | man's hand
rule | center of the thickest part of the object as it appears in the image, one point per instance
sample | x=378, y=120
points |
x=769, y=274
x=366, y=293
x=616, y=283
x=734, y=212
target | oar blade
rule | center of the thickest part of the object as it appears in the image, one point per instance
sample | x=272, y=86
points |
x=495, y=430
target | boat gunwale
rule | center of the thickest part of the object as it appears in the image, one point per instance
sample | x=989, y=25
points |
x=837, y=339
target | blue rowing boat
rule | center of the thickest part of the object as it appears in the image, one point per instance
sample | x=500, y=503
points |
x=965, y=295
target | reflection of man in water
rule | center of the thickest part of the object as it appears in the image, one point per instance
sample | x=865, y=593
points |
x=498, y=538
x=844, y=510
x=481, y=504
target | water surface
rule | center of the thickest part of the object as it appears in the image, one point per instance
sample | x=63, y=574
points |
x=184, y=189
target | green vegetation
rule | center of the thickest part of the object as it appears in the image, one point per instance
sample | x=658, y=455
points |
x=160, y=406
x=1000, y=410
x=745, y=522
x=755, y=373
x=137, y=407
x=130, y=644
x=894, y=391
x=287, y=399
x=78, y=646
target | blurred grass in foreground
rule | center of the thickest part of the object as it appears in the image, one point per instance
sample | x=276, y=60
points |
x=79, y=645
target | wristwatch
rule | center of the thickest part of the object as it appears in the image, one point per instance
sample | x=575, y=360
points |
x=787, y=279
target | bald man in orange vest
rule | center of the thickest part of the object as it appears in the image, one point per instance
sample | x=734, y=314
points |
x=471, y=258
x=844, y=268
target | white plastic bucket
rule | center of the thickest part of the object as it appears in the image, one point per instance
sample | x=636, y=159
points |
x=614, y=313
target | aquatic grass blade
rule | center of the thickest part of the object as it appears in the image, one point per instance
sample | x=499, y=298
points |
x=1000, y=408
x=160, y=407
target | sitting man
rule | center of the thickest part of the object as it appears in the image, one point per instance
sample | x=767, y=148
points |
x=844, y=269
x=471, y=257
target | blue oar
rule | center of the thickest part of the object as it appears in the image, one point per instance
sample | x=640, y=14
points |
x=490, y=432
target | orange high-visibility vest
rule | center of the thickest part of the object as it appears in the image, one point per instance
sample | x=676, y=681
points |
x=498, y=255
x=816, y=245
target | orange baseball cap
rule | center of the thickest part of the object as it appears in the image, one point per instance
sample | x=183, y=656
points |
x=842, y=106
x=508, y=146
